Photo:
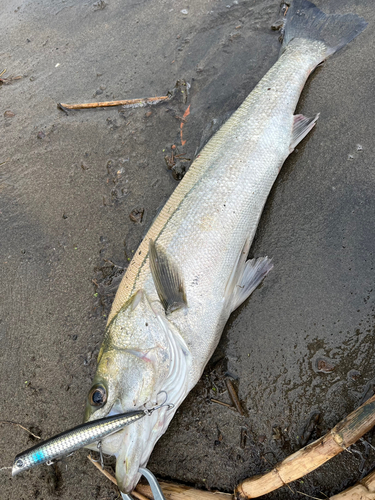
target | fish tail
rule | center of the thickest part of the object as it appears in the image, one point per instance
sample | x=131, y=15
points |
x=305, y=21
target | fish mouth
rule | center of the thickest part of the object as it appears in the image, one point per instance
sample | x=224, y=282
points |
x=133, y=446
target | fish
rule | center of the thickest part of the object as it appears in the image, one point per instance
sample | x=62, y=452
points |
x=191, y=270
x=69, y=441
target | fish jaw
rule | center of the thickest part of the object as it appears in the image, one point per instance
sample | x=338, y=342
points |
x=133, y=445
x=136, y=447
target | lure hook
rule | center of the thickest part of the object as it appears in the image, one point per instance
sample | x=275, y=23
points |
x=162, y=405
x=99, y=446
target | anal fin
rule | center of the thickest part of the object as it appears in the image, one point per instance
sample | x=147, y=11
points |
x=167, y=280
x=301, y=127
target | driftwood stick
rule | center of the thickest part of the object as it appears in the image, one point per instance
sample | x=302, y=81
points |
x=127, y=102
x=363, y=490
x=174, y=491
x=344, y=434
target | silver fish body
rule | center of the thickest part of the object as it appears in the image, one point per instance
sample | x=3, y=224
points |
x=72, y=440
x=157, y=340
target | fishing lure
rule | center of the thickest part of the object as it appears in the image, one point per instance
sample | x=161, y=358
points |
x=83, y=435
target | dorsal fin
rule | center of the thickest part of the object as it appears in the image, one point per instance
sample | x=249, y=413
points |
x=168, y=282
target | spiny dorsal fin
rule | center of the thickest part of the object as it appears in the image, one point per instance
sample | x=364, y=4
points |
x=168, y=282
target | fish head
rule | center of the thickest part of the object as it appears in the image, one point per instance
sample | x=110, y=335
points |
x=141, y=358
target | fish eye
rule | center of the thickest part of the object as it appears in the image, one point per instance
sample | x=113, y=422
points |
x=98, y=396
x=19, y=463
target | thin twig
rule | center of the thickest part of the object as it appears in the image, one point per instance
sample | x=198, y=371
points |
x=4, y=71
x=10, y=79
x=4, y=162
x=113, y=479
x=113, y=264
x=222, y=403
x=234, y=397
x=309, y=496
x=103, y=471
x=19, y=425
x=127, y=102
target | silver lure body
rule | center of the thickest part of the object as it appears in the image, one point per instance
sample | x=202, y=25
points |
x=72, y=440
x=205, y=230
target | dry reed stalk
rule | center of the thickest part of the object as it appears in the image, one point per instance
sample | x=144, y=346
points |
x=312, y=456
x=363, y=490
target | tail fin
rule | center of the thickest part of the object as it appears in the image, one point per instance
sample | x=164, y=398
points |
x=305, y=20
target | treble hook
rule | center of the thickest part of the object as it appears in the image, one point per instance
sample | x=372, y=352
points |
x=162, y=405
x=99, y=446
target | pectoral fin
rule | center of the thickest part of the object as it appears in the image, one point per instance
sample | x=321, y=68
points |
x=167, y=280
x=301, y=127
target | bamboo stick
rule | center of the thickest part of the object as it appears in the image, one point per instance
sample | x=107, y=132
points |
x=313, y=455
x=363, y=490
x=127, y=102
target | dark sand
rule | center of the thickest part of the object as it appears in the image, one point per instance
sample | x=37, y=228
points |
x=69, y=184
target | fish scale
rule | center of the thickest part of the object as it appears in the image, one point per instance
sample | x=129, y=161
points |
x=219, y=206
x=236, y=143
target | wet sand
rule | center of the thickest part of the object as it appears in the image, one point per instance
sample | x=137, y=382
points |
x=70, y=182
